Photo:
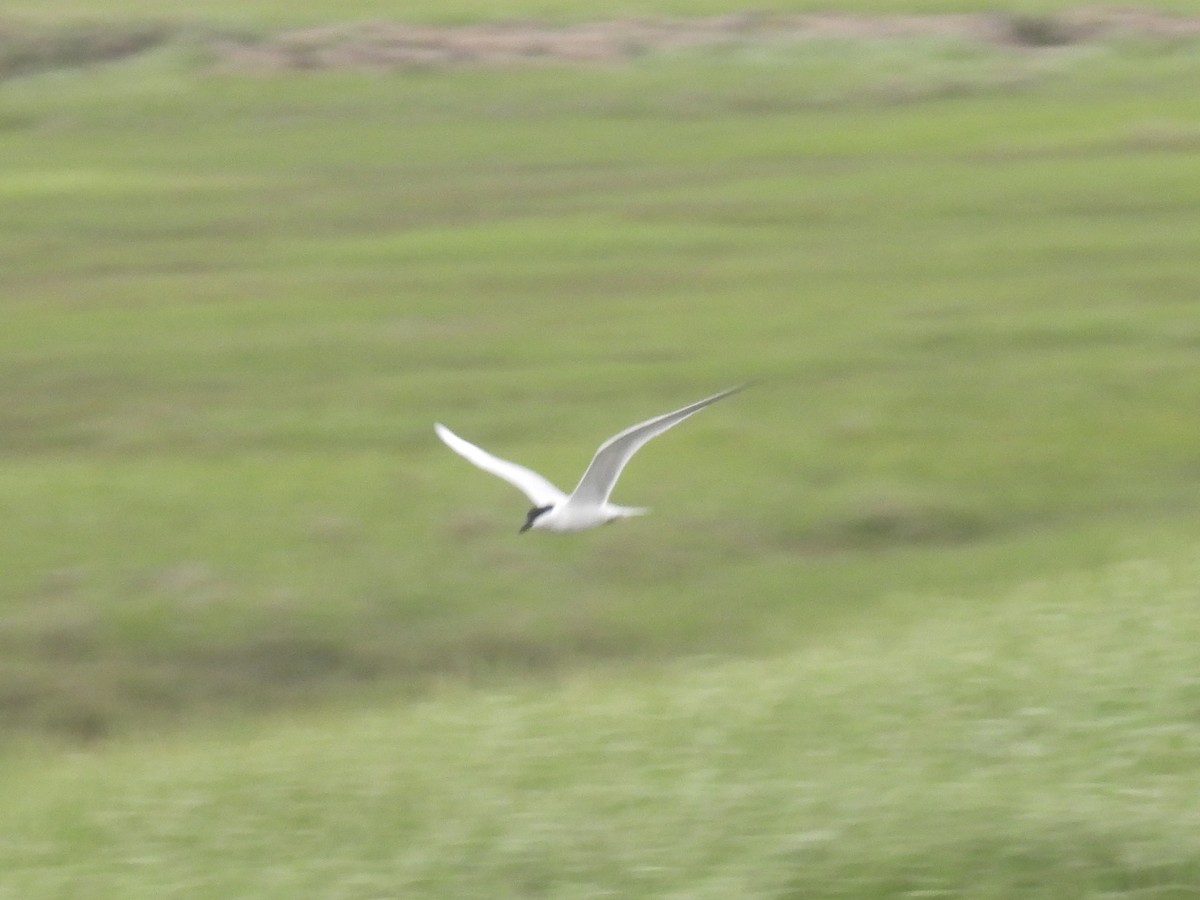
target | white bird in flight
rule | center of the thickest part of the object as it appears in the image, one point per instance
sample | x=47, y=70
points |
x=587, y=506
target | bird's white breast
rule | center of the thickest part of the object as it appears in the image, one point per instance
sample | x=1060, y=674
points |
x=567, y=518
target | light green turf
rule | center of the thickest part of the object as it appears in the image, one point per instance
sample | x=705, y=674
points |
x=1043, y=743
x=965, y=279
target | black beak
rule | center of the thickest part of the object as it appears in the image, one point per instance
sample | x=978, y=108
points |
x=533, y=514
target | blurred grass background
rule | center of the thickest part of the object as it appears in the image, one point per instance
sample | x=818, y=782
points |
x=235, y=306
x=277, y=12
x=962, y=274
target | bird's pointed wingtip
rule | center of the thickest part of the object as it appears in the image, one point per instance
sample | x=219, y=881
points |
x=730, y=391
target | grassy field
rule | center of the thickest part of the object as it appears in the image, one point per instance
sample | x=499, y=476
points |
x=1045, y=745
x=876, y=639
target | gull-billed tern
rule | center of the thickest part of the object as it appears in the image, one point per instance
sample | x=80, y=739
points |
x=587, y=506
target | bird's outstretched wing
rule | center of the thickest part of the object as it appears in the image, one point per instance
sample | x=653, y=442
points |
x=529, y=482
x=602, y=473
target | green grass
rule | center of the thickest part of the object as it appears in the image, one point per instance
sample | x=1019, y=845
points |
x=261, y=635
x=1043, y=743
x=234, y=307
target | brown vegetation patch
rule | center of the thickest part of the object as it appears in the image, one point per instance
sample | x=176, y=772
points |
x=386, y=45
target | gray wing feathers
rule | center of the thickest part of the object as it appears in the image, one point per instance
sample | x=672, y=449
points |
x=597, y=482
